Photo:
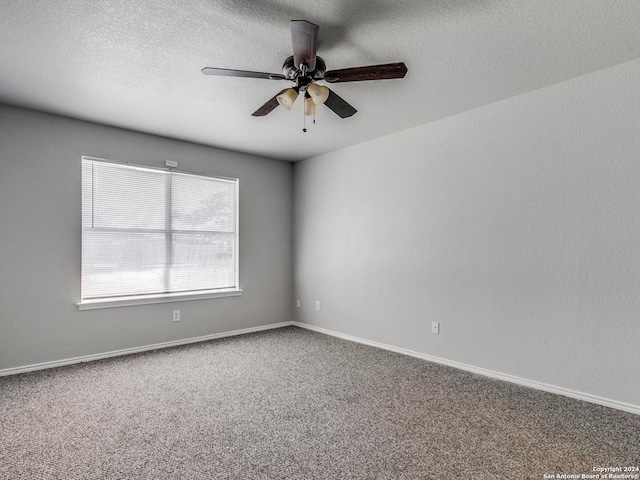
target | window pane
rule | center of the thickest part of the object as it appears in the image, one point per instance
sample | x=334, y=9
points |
x=122, y=264
x=203, y=261
x=204, y=204
x=124, y=197
x=155, y=232
x=87, y=194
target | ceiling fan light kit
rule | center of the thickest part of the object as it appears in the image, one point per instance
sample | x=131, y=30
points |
x=304, y=68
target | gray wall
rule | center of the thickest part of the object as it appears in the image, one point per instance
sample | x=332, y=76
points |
x=40, y=195
x=515, y=225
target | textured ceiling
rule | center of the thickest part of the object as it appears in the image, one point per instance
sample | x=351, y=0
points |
x=136, y=64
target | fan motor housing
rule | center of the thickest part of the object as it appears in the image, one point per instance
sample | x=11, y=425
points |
x=291, y=72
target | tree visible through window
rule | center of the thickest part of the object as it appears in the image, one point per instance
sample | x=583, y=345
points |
x=154, y=232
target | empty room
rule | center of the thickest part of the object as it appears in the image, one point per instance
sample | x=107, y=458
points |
x=279, y=239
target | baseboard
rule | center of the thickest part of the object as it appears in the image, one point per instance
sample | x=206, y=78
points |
x=627, y=407
x=145, y=348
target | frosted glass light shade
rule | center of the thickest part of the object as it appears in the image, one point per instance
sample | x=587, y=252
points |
x=287, y=98
x=309, y=106
x=319, y=93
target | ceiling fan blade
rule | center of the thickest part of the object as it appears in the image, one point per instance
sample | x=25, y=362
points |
x=339, y=106
x=269, y=106
x=226, y=72
x=304, y=36
x=371, y=72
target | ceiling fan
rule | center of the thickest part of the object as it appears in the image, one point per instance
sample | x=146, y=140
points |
x=304, y=68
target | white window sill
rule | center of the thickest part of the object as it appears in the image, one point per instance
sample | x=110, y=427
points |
x=163, y=298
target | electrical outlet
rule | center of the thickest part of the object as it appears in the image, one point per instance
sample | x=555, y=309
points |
x=318, y=305
x=298, y=303
x=176, y=315
x=435, y=328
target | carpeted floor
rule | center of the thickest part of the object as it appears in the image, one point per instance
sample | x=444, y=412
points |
x=294, y=404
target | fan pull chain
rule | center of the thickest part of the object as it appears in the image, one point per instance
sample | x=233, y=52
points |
x=304, y=121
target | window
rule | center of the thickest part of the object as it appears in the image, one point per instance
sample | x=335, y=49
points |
x=150, y=233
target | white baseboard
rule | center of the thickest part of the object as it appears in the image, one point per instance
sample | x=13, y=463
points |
x=145, y=348
x=627, y=407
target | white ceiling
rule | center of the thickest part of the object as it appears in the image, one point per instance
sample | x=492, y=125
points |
x=136, y=64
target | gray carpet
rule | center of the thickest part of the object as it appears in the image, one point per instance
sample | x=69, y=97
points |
x=294, y=404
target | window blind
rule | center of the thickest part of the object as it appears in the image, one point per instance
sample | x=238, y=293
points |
x=153, y=232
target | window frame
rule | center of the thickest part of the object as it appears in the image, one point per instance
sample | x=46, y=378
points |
x=164, y=297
